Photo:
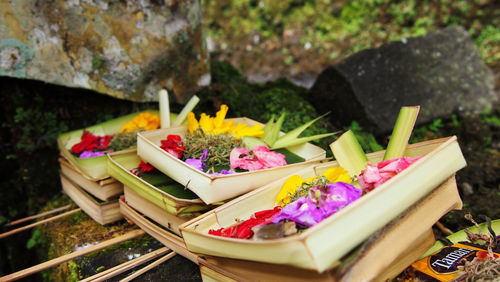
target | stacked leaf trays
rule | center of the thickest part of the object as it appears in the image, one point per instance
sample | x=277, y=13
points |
x=83, y=171
x=162, y=200
x=375, y=237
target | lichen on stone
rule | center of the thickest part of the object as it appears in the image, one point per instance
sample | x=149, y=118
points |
x=106, y=46
x=13, y=57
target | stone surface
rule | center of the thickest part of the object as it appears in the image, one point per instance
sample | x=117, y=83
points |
x=177, y=268
x=126, y=49
x=442, y=72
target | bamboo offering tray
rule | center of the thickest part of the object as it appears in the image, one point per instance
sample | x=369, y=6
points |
x=103, y=190
x=212, y=189
x=383, y=256
x=169, y=239
x=102, y=212
x=321, y=247
x=167, y=220
x=119, y=166
x=94, y=168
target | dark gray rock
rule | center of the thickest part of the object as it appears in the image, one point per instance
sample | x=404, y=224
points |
x=442, y=72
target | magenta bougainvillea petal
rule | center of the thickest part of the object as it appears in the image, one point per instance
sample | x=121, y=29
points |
x=375, y=175
x=261, y=157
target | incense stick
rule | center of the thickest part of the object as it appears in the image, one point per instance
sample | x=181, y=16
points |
x=51, y=263
x=15, y=222
x=148, y=267
x=3, y=235
x=126, y=266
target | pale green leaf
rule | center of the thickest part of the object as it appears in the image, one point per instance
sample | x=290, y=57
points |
x=297, y=131
x=401, y=132
x=349, y=153
x=291, y=142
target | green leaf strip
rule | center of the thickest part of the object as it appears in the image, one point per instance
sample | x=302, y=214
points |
x=349, y=153
x=401, y=132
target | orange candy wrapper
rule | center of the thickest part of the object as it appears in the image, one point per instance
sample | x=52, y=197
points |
x=448, y=263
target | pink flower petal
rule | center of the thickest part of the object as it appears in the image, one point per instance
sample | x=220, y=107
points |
x=237, y=157
x=371, y=174
x=262, y=158
x=374, y=176
x=269, y=159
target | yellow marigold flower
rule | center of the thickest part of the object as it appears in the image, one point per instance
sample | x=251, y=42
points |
x=224, y=128
x=289, y=188
x=241, y=130
x=218, y=125
x=192, y=122
x=146, y=121
x=336, y=174
x=220, y=116
x=206, y=123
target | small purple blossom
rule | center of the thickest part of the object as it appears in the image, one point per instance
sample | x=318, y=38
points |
x=204, y=155
x=303, y=211
x=90, y=154
x=196, y=163
x=319, y=204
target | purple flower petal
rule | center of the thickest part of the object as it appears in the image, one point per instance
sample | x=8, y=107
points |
x=196, y=163
x=204, y=155
x=309, y=211
x=90, y=154
x=302, y=211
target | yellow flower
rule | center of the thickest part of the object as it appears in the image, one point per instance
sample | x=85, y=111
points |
x=289, y=188
x=220, y=116
x=224, y=128
x=218, y=125
x=241, y=130
x=192, y=122
x=336, y=174
x=311, y=179
x=146, y=121
x=206, y=123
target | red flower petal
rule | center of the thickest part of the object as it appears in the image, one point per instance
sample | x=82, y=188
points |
x=173, y=145
x=145, y=167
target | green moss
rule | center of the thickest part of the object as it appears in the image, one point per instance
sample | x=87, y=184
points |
x=261, y=101
x=74, y=271
x=357, y=24
x=130, y=244
x=96, y=62
x=365, y=139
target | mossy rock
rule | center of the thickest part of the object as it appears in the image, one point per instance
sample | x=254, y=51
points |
x=261, y=101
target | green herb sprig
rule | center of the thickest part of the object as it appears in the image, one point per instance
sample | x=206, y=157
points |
x=303, y=190
x=219, y=147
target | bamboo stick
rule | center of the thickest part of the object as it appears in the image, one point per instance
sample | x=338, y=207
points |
x=187, y=108
x=126, y=265
x=148, y=267
x=48, y=264
x=37, y=215
x=3, y=235
x=164, y=109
